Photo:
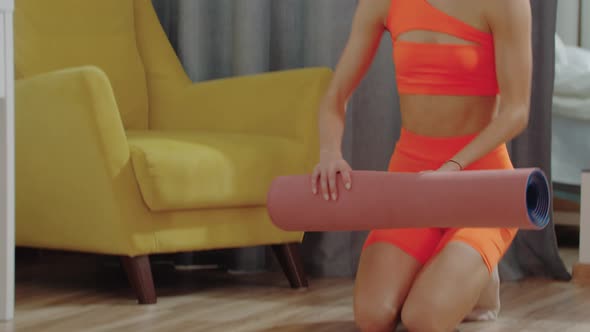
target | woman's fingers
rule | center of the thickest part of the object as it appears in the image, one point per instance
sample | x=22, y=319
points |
x=328, y=179
x=332, y=182
x=346, y=178
x=344, y=171
x=314, y=180
x=324, y=184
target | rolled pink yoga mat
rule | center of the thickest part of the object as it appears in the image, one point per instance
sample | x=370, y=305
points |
x=383, y=200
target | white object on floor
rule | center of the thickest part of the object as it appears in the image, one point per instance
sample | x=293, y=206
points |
x=488, y=305
x=585, y=219
x=6, y=161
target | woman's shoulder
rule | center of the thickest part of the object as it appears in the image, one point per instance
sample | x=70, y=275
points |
x=375, y=9
x=505, y=10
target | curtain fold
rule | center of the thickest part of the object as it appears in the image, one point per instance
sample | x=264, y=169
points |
x=221, y=38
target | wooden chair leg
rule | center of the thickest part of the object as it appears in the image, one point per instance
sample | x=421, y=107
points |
x=290, y=261
x=139, y=273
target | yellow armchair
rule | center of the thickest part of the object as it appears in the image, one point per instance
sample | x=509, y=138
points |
x=119, y=153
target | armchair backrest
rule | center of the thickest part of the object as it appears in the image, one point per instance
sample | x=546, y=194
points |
x=109, y=34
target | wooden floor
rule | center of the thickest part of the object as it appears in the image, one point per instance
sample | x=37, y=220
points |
x=53, y=297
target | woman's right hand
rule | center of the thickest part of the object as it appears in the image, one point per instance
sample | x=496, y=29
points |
x=326, y=172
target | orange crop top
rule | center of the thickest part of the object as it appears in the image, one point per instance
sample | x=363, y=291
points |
x=440, y=69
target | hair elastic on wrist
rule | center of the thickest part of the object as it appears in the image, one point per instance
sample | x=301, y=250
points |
x=456, y=162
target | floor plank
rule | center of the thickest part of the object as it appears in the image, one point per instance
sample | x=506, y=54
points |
x=52, y=296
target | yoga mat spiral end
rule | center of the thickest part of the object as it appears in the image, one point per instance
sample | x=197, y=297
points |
x=538, y=199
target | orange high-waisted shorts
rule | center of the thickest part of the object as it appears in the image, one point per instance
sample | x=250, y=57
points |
x=416, y=153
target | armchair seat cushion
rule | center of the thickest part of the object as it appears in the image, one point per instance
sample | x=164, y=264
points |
x=178, y=170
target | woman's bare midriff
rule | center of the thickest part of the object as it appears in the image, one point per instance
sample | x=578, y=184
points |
x=446, y=116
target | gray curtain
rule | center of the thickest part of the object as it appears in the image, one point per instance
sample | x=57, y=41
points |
x=535, y=253
x=221, y=38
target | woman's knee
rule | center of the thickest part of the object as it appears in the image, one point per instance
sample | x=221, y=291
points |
x=372, y=317
x=382, y=282
x=425, y=315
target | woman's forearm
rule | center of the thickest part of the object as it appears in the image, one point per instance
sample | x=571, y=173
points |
x=511, y=26
x=331, y=125
x=509, y=123
x=365, y=37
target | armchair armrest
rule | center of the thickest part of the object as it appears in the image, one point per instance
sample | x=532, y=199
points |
x=71, y=112
x=72, y=156
x=283, y=103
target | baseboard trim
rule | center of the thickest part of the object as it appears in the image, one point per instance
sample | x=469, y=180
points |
x=581, y=274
